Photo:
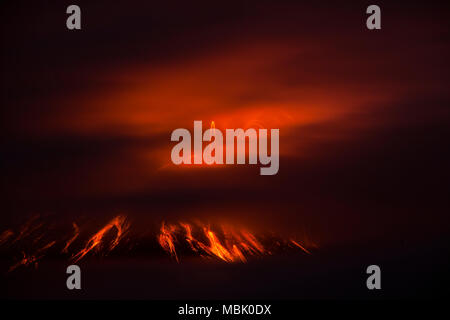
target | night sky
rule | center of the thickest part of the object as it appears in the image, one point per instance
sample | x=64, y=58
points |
x=364, y=116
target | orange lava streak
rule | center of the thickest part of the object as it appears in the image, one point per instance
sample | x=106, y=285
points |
x=32, y=258
x=166, y=240
x=69, y=242
x=216, y=247
x=189, y=238
x=28, y=228
x=121, y=226
x=300, y=246
x=255, y=244
x=238, y=253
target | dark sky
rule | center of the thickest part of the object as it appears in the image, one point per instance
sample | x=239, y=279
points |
x=363, y=115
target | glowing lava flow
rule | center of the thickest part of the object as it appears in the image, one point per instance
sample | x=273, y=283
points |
x=219, y=250
x=230, y=245
x=121, y=226
x=32, y=259
x=31, y=242
x=71, y=240
x=166, y=240
x=300, y=246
